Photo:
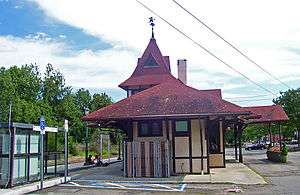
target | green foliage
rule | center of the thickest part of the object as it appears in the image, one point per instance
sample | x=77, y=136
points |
x=290, y=101
x=72, y=146
x=33, y=95
x=100, y=101
x=229, y=137
x=284, y=149
x=254, y=132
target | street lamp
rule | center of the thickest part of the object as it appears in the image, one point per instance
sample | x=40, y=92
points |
x=86, y=111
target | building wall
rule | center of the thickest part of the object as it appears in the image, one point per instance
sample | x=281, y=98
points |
x=186, y=153
x=190, y=151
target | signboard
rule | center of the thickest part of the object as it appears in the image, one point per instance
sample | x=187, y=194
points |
x=48, y=129
x=66, y=126
x=42, y=125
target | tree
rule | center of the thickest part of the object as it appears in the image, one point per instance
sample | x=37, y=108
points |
x=83, y=99
x=21, y=86
x=34, y=95
x=100, y=101
x=290, y=101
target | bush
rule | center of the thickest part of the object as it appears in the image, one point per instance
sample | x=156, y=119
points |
x=284, y=150
x=276, y=155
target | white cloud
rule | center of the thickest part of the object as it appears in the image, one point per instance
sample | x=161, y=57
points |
x=264, y=29
x=85, y=68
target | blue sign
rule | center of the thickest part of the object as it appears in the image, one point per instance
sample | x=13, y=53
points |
x=42, y=124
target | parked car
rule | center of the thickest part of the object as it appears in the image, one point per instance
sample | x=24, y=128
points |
x=294, y=141
x=256, y=146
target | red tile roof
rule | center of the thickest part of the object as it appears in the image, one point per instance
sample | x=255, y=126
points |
x=172, y=98
x=267, y=113
x=147, y=80
x=151, y=74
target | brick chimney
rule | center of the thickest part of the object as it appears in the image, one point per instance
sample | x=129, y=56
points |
x=181, y=67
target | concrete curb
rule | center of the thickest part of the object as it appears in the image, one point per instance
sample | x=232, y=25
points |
x=27, y=188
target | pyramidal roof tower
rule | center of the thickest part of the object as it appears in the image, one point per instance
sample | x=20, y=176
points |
x=152, y=68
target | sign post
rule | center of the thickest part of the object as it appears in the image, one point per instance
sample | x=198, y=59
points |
x=42, y=129
x=66, y=127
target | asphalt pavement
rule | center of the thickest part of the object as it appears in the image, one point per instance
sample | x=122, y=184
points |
x=282, y=179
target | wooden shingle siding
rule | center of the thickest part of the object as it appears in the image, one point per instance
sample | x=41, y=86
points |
x=147, y=159
x=143, y=162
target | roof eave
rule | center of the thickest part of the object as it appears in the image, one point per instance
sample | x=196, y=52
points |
x=166, y=116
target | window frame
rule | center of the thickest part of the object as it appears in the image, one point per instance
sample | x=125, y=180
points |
x=182, y=133
x=150, y=126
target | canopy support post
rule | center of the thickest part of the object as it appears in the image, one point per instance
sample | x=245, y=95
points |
x=240, y=128
x=108, y=149
x=270, y=134
x=235, y=142
x=101, y=149
x=119, y=149
x=280, y=144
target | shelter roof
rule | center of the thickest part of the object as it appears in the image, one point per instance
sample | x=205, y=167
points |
x=271, y=113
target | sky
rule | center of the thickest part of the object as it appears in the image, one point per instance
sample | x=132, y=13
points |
x=95, y=44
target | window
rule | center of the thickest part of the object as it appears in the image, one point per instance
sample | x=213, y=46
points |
x=214, y=137
x=181, y=126
x=131, y=92
x=144, y=129
x=156, y=128
x=150, y=128
x=150, y=62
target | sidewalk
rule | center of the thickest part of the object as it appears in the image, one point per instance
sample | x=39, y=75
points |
x=27, y=188
x=234, y=173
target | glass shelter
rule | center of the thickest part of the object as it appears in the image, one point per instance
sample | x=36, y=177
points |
x=20, y=154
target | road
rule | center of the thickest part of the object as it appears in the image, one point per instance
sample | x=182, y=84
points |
x=282, y=179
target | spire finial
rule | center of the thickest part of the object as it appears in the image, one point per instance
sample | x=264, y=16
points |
x=151, y=22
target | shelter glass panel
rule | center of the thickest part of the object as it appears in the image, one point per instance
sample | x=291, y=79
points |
x=34, y=168
x=21, y=144
x=34, y=143
x=20, y=170
x=4, y=150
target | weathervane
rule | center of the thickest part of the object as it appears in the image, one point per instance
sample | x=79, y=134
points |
x=151, y=22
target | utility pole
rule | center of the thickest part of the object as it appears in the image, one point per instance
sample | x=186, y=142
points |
x=66, y=128
x=42, y=129
x=11, y=149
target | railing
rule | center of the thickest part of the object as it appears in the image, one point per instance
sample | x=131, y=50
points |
x=147, y=159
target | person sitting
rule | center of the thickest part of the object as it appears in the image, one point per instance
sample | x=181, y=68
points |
x=90, y=160
x=100, y=163
x=96, y=160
